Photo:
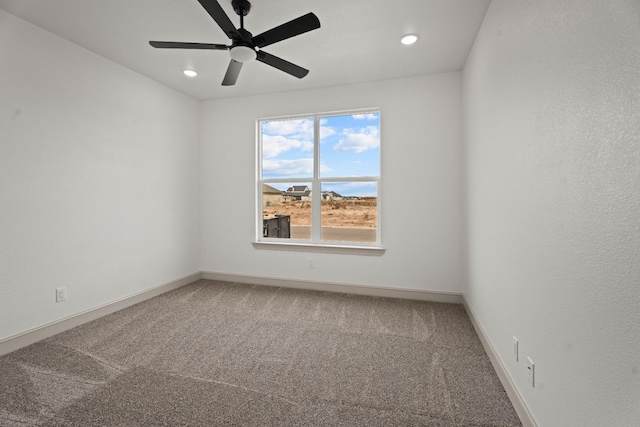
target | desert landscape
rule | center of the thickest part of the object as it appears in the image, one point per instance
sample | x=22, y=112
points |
x=361, y=213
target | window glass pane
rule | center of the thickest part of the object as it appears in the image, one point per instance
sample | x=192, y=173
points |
x=349, y=211
x=286, y=210
x=287, y=148
x=350, y=145
x=346, y=181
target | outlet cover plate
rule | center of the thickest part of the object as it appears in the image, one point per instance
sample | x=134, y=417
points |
x=61, y=294
x=531, y=372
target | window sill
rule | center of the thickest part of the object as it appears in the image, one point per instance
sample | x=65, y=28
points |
x=321, y=248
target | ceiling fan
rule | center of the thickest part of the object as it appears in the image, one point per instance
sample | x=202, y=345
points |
x=244, y=46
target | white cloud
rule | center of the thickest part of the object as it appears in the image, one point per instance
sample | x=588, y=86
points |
x=298, y=129
x=359, y=140
x=370, y=116
x=302, y=167
x=324, y=168
x=274, y=145
x=326, y=131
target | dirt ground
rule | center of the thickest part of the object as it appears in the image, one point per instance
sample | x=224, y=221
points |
x=335, y=213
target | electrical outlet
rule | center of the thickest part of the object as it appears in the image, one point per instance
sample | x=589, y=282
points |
x=531, y=372
x=61, y=294
x=515, y=348
x=311, y=263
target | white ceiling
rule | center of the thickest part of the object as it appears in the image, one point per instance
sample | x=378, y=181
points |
x=358, y=40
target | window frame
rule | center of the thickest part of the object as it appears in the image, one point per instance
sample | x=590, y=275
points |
x=316, y=181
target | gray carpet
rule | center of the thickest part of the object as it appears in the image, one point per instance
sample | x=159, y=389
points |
x=223, y=354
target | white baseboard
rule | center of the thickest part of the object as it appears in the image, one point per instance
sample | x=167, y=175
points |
x=526, y=417
x=415, y=294
x=26, y=338
x=34, y=335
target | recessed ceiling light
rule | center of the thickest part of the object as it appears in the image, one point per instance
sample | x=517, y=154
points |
x=409, y=39
x=189, y=73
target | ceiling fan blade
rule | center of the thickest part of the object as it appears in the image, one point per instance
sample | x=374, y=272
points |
x=217, y=13
x=181, y=45
x=281, y=64
x=298, y=26
x=232, y=73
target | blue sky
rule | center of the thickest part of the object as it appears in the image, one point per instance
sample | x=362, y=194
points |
x=349, y=147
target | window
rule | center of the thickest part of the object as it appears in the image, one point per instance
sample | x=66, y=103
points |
x=319, y=179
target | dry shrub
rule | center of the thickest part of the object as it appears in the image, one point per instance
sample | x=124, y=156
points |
x=335, y=204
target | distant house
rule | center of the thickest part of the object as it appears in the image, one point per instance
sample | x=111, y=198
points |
x=297, y=192
x=302, y=192
x=271, y=196
x=331, y=195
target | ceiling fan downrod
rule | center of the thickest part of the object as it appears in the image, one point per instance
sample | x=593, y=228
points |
x=242, y=8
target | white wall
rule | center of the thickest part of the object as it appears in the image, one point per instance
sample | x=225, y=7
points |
x=99, y=185
x=552, y=134
x=421, y=189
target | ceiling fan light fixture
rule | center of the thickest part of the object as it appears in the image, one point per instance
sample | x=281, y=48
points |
x=243, y=53
x=409, y=39
x=189, y=73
